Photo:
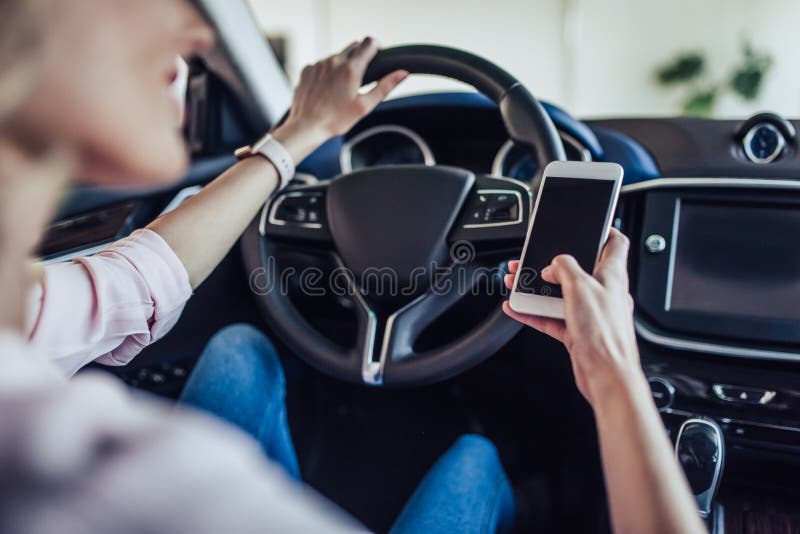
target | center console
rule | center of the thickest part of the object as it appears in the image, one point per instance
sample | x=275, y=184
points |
x=715, y=273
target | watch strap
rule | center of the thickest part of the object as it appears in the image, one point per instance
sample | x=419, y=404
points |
x=271, y=149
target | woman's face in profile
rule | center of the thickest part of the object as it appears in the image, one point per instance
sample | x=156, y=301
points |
x=104, y=85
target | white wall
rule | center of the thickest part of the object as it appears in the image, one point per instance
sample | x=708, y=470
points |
x=623, y=40
x=595, y=57
x=485, y=27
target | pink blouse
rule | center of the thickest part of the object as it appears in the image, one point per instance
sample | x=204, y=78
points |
x=83, y=456
x=108, y=307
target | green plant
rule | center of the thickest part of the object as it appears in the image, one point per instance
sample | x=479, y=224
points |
x=688, y=70
x=749, y=77
x=684, y=68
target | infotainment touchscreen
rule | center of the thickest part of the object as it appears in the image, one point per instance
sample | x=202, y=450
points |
x=736, y=259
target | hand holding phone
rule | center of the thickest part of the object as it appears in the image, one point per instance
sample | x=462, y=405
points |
x=572, y=215
x=598, y=328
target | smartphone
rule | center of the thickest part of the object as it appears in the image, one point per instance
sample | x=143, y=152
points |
x=572, y=215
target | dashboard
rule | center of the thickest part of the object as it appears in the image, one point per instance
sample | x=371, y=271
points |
x=393, y=144
x=712, y=208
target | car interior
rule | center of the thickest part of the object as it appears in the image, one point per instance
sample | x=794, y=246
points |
x=379, y=386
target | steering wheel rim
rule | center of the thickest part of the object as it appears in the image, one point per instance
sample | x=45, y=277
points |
x=533, y=130
x=384, y=353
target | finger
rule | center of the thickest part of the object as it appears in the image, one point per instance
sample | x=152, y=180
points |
x=554, y=328
x=345, y=54
x=613, y=265
x=509, y=280
x=564, y=271
x=349, y=49
x=310, y=74
x=362, y=54
x=306, y=74
x=513, y=266
x=547, y=275
x=616, y=248
x=382, y=89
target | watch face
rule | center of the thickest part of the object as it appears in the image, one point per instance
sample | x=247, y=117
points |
x=763, y=143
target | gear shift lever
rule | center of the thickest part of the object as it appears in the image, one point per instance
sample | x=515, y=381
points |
x=700, y=448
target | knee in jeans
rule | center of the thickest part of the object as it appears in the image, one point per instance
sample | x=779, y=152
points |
x=239, y=334
x=476, y=449
x=242, y=348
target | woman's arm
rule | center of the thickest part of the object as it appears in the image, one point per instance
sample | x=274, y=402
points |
x=327, y=103
x=646, y=489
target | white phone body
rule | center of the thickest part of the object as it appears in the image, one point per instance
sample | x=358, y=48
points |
x=549, y=306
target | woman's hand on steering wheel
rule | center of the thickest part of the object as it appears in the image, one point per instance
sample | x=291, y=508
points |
x=327, y=101
x=598, y=331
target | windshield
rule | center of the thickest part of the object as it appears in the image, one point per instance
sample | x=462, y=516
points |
x=595, y=58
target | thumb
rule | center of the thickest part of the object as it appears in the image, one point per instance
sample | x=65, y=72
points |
x=382, y=89
x=564, y=271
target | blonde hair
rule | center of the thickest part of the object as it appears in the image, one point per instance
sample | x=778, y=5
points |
x=21, y=40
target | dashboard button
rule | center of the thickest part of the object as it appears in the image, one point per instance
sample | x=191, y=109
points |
x=655, y=244
x=663, y=392
x=743, y=395
x=494, y=207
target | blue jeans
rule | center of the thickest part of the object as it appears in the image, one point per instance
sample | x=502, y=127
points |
x=239, y=379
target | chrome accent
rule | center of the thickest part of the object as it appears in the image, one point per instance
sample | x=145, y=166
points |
x=306, y=178
x=721, y=460
x=500, y=157
x=505, y=223
x=670, y=389
x=748, y=138
x=277, y=203
x=517, y=182
x=766, y=395
x=729, y=421
x=784, y=428
x=711, y=348
x=764, y=183
x=371, y=371
x=672, y=250
x=655, y=243
x=346, y=154
x=262, y=222
x=387, y=332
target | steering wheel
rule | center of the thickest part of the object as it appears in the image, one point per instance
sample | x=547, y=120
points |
x=425, y=231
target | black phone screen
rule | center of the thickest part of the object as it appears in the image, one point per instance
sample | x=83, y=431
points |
x=570, y=219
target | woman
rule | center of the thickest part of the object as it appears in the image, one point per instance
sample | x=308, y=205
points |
x=85, y=92
x=82, y=93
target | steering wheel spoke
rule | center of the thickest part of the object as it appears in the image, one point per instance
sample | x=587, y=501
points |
x=495, y=217
x=297, y=214
x=385, y=342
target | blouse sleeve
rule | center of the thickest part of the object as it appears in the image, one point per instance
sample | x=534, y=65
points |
x=108, y=307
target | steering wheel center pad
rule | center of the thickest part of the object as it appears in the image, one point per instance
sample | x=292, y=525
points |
x=410, y=210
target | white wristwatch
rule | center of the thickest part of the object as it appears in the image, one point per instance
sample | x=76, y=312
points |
x=269, y=148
